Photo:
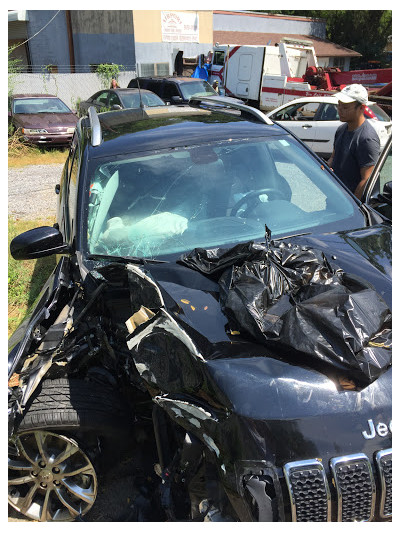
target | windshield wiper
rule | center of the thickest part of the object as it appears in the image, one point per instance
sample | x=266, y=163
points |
x=291, y=236
x=125, y=259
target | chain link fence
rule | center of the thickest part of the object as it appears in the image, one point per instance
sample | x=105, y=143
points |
x=71, y=88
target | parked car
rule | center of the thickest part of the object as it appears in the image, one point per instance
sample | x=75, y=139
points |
x=115, y=99
x=175, y=90
x=315, y=120
x=43, y=119
x=182, y=232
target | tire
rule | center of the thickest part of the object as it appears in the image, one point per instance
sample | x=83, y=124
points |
x=73, y=404
x=54, y=474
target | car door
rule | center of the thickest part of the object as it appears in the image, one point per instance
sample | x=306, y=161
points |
x=299, y=119
x=171, y=93
x=326, y=122
x=378, y=191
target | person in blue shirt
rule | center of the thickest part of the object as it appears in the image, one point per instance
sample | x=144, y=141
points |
x=356, y=146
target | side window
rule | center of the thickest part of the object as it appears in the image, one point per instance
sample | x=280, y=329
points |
x=306, y=111
x=218, y=58
x=102, y=98
x=72, y=192
x=287, y=113
x=328, y=112
x=69, y=189
x=170, y=90
x=114, y=100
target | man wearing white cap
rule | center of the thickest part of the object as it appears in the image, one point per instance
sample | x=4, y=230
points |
x=356, y=146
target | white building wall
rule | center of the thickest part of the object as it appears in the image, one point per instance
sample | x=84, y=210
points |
x=246, y=23
x=166, y=52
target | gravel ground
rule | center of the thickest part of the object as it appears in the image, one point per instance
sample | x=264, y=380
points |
x=31, y=191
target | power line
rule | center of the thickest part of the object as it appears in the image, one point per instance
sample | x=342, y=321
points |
x=37, y=33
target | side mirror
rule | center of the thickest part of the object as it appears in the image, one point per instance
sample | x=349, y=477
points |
x=176, y=100
x=38, y=242
x=386, y=195
x=116, y=107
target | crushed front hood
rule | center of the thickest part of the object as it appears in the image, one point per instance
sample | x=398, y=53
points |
x=195, y=300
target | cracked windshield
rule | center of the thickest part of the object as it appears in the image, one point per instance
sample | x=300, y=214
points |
x=149, y=205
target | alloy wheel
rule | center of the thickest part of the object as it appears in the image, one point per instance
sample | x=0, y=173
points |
x=50, y=478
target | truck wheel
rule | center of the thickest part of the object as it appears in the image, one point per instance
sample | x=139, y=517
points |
x=53, y=475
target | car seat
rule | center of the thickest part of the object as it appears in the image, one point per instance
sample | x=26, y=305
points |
x=329, y=113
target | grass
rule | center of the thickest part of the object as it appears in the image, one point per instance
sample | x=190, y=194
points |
x=25, y=278
x=21, y=154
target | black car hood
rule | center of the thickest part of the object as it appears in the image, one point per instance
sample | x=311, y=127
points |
x=364, y=252
x=46, y=120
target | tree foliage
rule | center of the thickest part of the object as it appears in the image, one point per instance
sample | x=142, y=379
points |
x=107, y=72
x=366, y=32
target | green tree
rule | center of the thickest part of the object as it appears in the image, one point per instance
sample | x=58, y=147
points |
x=364, y=31
x=107, y=72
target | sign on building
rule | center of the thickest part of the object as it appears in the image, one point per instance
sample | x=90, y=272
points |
x=179, y=27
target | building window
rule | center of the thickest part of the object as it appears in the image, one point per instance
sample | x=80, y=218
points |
x=162, y=69
x=154, y=69
x=339, y=62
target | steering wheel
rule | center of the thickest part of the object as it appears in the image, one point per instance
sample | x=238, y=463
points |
x=253, y=198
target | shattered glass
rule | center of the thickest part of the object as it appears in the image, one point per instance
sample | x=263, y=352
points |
x=171, y=201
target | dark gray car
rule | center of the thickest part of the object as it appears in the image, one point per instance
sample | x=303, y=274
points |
x=114, y=99
x=175, y=90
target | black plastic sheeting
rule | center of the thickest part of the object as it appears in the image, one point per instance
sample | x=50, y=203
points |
x=289, y=297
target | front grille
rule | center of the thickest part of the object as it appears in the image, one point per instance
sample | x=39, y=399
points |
x=353, y=488
x=309, y=491
x=384, y=463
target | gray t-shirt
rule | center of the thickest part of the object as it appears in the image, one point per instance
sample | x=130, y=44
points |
x=354, y=150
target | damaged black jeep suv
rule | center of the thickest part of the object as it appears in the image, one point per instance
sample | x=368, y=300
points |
x=219, y=314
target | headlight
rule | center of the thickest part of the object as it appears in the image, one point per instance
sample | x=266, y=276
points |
x=70, y=130
x=33, y=132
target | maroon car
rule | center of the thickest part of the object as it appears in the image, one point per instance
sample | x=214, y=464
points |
x=43, y=119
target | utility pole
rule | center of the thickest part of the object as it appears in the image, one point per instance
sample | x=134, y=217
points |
x=70, y=41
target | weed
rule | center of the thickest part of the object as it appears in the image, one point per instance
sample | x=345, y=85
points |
x=21, y=154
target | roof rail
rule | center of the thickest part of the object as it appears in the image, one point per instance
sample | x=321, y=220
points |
x=95, y=125
x=197, y=101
